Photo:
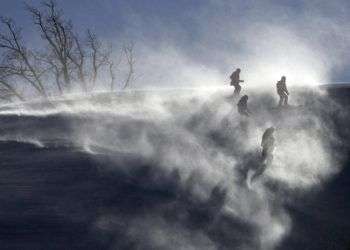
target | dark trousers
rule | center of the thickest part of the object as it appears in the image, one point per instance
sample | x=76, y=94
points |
x=283, y=99
x=237, y=90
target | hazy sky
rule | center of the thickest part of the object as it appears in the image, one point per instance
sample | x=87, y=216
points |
x=306, y=40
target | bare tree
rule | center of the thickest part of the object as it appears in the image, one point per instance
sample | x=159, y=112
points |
x=99, y=55
x=57, y=32
x=65, y=60
x=18, y=60
x=129, y=55
x=112, y=67
x=112, y=74
x=78, y=59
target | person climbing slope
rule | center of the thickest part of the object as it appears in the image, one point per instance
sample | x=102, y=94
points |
x=235, y=81
x=242, y=106
x=282, y=91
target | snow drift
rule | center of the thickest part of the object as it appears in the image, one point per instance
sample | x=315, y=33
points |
x=162, y=169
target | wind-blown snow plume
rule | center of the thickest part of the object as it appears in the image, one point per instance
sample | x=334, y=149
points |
x=185, y=156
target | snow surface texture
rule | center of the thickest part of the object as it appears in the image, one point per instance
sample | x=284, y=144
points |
x=187, y=155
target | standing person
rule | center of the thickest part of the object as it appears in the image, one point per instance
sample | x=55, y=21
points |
x=235, y=81
x=282, y=91
x=268, y=146
x=242, y=106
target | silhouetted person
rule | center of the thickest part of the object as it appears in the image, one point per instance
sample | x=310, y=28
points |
x=242, y=106
x=268, y=145
x=235, y=81
x=282, y=91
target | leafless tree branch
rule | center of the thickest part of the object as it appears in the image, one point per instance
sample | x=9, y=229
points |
x=129, y=55
x=17, y=53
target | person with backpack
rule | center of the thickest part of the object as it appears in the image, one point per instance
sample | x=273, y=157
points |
x=242, y=106
x=235, y=81
x=282, y=91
